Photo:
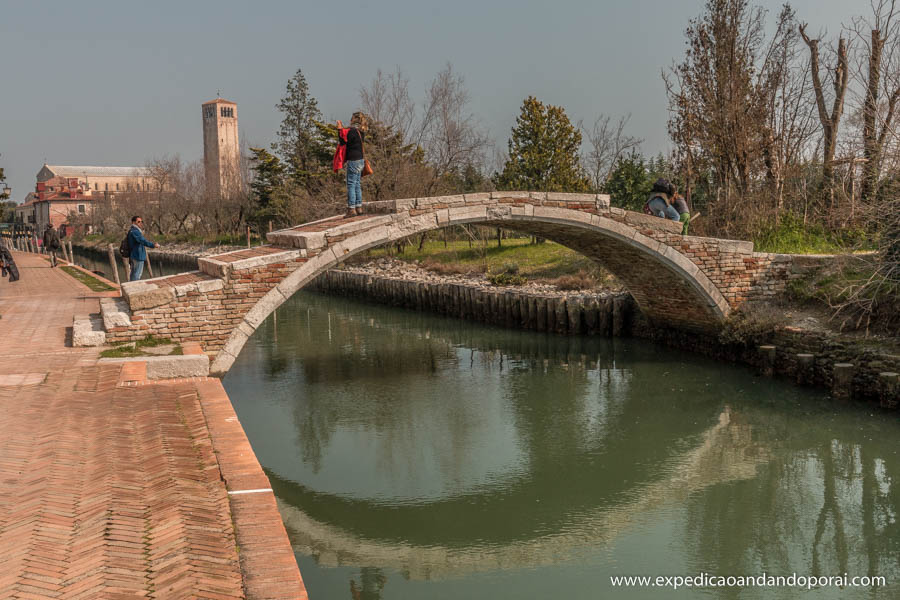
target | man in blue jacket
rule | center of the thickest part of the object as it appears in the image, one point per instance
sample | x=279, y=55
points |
x=137, y=242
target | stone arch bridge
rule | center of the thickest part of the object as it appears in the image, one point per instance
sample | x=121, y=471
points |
x=683, y=282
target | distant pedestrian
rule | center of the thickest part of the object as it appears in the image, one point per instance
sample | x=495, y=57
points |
x=684, y=212
x=7, y=264
x=353, y=138
x=51, y=243
x=660, y=202
x=137, y=242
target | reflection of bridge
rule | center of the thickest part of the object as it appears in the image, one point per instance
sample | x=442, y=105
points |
x=680, y=281
x=726, y=453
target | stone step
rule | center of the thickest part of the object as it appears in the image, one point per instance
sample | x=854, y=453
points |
x=87, y=330
x=167, y=367
x=115, y=313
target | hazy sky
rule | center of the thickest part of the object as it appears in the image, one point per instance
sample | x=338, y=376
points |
x=117, y=83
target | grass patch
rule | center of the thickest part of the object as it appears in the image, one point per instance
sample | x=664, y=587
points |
x=792, y=236
x=152, y=342
x=88, y=280
x=546, y=261
x=136, y=349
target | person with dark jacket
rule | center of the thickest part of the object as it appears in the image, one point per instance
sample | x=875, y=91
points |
x=137, y=242
x=355, y=159
x=51, y=243
x=660, y=201
x=7, y=264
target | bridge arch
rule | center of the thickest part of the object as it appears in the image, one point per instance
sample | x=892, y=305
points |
x=667, y=285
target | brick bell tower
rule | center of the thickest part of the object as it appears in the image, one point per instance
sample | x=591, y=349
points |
x=221, y=149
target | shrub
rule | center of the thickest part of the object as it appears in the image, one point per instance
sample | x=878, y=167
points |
x=506, y=279
x=452, y=268
x=582, y=280
x=511, y=267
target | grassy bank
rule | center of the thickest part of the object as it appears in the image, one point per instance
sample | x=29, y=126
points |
x=89, y=280
x=547, y=262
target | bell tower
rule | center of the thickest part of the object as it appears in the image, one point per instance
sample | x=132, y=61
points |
x=221, y=150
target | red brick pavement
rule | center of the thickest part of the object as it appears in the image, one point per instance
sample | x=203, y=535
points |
x=110, y=490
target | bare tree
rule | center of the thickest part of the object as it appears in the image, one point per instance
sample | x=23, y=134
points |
x=607, y=142
x=878, y=66
x=789, y=123
x=387, y=101
x=721, y=98
x=418, y=153
x=830, y=122
x=451, y=135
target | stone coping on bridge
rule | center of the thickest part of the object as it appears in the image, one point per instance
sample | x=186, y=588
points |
x=599, y=202
x=317, y=235
x=222, y=265
x=148, y=293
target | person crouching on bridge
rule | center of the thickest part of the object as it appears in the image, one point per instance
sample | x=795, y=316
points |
x=354, y=160
x=136, y=243
x=662, y=195
x=684, y=212
x=51, y=243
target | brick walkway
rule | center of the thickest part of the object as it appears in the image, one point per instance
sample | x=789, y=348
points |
x=115, y=491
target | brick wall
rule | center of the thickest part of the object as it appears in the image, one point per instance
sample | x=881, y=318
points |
x=198, y=307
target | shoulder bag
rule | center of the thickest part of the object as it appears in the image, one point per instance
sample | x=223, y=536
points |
x=367, y=168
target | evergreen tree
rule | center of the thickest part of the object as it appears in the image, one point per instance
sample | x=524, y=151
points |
x=629, y=183
x=268, y=180
x=302, y=144
x=543, y=152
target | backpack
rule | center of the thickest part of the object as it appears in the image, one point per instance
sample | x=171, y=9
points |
x=125, y=248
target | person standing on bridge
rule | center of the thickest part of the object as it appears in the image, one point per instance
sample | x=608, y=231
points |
x=354, y=160
x=661, y=198
x=136, y=243
x=51, y=243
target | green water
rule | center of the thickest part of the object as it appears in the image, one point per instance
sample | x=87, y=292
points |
x=415, y=456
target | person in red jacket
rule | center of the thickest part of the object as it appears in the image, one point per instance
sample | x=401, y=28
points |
x=354, y=159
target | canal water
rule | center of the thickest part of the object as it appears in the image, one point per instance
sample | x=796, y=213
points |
x=415, y=456
x=98, y=262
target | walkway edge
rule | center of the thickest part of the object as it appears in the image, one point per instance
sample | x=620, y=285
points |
x=267, y=560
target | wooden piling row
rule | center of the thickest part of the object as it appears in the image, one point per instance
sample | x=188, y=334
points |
x=608, y=315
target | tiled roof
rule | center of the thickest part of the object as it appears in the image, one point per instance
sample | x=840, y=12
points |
x=220, y=101
x=74, y=171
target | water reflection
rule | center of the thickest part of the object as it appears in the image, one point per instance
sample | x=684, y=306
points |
x=407, y=448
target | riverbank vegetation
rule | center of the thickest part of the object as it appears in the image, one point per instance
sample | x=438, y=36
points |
x=514, y=261
x=89, y=280
x=779, y=134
